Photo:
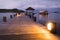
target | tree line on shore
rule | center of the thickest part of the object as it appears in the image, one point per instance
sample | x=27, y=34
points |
x=10, y=10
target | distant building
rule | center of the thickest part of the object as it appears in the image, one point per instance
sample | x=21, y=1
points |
x=30, y=11
x=44, y=12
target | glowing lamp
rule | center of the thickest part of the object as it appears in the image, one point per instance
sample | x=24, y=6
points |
x=50, y=26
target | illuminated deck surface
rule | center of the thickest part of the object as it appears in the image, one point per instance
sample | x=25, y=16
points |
x=23, y=28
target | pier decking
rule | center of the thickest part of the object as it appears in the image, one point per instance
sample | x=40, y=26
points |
x=23, y=28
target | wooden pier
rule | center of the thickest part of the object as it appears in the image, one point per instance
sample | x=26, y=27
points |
x=24, y=29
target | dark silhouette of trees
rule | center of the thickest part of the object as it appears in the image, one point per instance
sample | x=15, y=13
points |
x=11, y=10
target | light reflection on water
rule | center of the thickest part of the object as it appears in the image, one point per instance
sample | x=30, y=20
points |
x=5, y=14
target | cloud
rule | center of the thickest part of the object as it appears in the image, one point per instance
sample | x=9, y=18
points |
x=44, y=6
x=37, y=6
x=8, y=4
x=21, y=4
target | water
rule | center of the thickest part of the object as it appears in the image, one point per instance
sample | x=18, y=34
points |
x=5, y=14
x=53, y=17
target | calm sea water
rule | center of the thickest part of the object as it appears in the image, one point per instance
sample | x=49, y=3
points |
x=5, y=14
x=54, y=17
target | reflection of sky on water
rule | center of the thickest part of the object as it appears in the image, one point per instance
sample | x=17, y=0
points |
x=54, y=17
x=50, y=17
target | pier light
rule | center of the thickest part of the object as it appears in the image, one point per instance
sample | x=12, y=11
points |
x=18, y=14
x=50, y=26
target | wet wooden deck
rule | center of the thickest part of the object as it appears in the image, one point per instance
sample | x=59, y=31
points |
x=23, y=28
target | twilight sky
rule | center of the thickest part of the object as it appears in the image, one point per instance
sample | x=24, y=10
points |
x=22, y=4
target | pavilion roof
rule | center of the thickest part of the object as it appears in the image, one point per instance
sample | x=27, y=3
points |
x=30, y=8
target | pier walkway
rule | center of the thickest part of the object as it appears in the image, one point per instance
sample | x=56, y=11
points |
x=23, y=28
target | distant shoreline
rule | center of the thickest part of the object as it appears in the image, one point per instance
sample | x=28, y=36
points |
x=10, y=10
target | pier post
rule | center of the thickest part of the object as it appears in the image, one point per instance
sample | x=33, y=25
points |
x=4, y=19
x=11, y=16
x=14, y=15
x=34, y=18
x=29, y=16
